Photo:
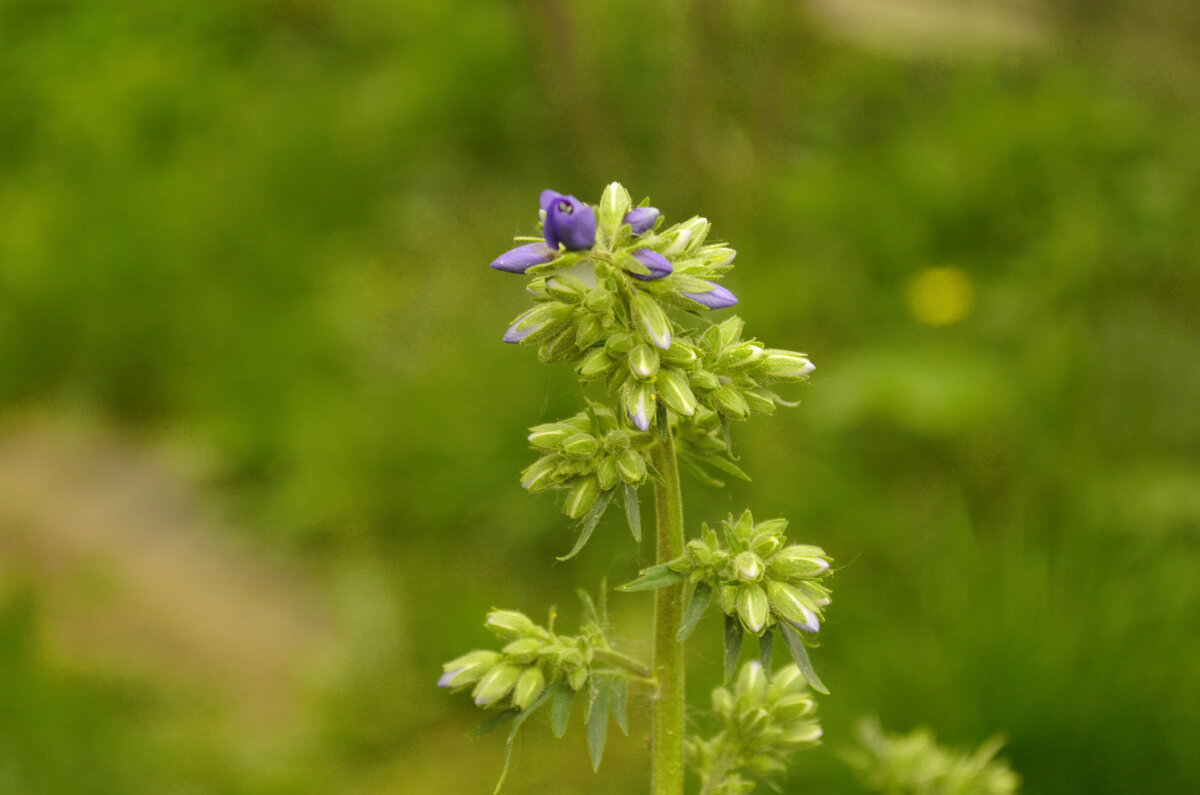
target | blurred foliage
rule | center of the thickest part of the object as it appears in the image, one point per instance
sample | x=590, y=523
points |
x=259, y=231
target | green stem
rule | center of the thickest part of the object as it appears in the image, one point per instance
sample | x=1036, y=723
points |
x=667, y=764
x=622, y=661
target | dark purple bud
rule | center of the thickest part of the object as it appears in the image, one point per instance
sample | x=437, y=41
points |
x=716, y=298
x=659, y=265
x=522, y=258
x=570, y=222
x=640, y=219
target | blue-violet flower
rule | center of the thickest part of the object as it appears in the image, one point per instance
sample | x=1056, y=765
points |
x=716, y=298
x=640, y=219
x=659, y=265
x=568, y=221
x=522, y=258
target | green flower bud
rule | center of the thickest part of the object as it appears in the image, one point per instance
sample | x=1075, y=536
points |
x=751, y=686
x=804, y=734
x=581, y=497
x=511, y=625
x=793, y=707
x=753, y=607
x=607, y=473
x=539, y=475
x=756, y=721
x=495, y=684
x=638, y=398
x=675, y=392
x=766, y=544
x=790, y=604
x=739, y=357
x=614, y=203
x=653, y=319
x=759, y=400
x=529, y=686
x=580, y=446
x=784, y=680
x=632, y=467
x=728, y=595
x=468, y=668
x=705, y=381
x=730, y=401
x=549, y=436
x=784, y=365
x=619, y=344
x=566, y=288
x=588, y=330
x=595, y=364
x=722, y=701
x=798, y=562
x=681, y=355
x=616, y=440
x=524, y=650
x=643, y=361
x=577, y=678
x=772, y=526
x=598, y=300
x=730, y=331
x=748, y=567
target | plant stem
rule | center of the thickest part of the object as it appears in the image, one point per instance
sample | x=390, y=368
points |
x=622, y=661
x=666, y=773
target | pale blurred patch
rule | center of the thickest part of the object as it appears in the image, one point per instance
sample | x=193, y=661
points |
x=940, y=296
x=135, y=576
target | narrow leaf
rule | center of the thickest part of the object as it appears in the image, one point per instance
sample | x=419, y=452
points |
x=701, y=597
x=589, y=524
x=728, y=437
x=799, y=652
x=633, y=512
x=590, y=613
x=654, y=473
x=494, y=722
x=620, y=704
x=563, y=698
x=597, y=721
x=726, y=466
x=651, y=578
x=512, y=736
x=766, y=644
x=733, y=645
x=691, y=466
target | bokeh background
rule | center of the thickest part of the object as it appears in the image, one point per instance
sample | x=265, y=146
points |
x=259, y=439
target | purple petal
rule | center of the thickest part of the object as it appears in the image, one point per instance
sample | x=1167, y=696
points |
x=570, y=222
x=716, y=298
x=547, y=198
x=659, y=265
x=446, y=679
x=522, y=258
x=640, y=219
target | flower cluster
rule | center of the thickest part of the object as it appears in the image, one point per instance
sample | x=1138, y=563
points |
x=757, y=575
x=534, y=659
x=762, y=722
x=588, y=454
x=603, y=280
x=916, y=763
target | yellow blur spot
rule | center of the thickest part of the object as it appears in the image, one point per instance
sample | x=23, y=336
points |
x=940, y=296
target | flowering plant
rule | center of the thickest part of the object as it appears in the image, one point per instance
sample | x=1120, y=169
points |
x=625, y=300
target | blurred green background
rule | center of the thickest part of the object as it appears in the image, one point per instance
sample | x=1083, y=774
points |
x=259, y=439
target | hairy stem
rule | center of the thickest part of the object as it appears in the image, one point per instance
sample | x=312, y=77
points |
x=622, y=661
x=667, y=763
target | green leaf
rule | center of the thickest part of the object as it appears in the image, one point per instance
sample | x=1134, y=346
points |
x=562, y=699
x=733, y=645
x=726, y=466
x=701, y=598
x=512, y=736
x=766, y=644
x=799, y=652
x=620, y=701
x=494, y=722
x=597, y=718
x=652, y=578
x=590, y=613
x=691, y=466
x=633, y=512
x=589, y=524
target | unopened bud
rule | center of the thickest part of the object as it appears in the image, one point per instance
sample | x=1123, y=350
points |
x=529, y=686
x=496, y=683
x=511, y=625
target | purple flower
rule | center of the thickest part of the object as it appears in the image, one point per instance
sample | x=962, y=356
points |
x=522, y=258
x=659, y=265
x=640, y=219
x=568, y=221
x=716, y=298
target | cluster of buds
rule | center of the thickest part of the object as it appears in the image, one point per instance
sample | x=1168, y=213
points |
x=763, y=721
x=589, y=454
x=915, y=762
x=534, y=659
x=757, y=576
